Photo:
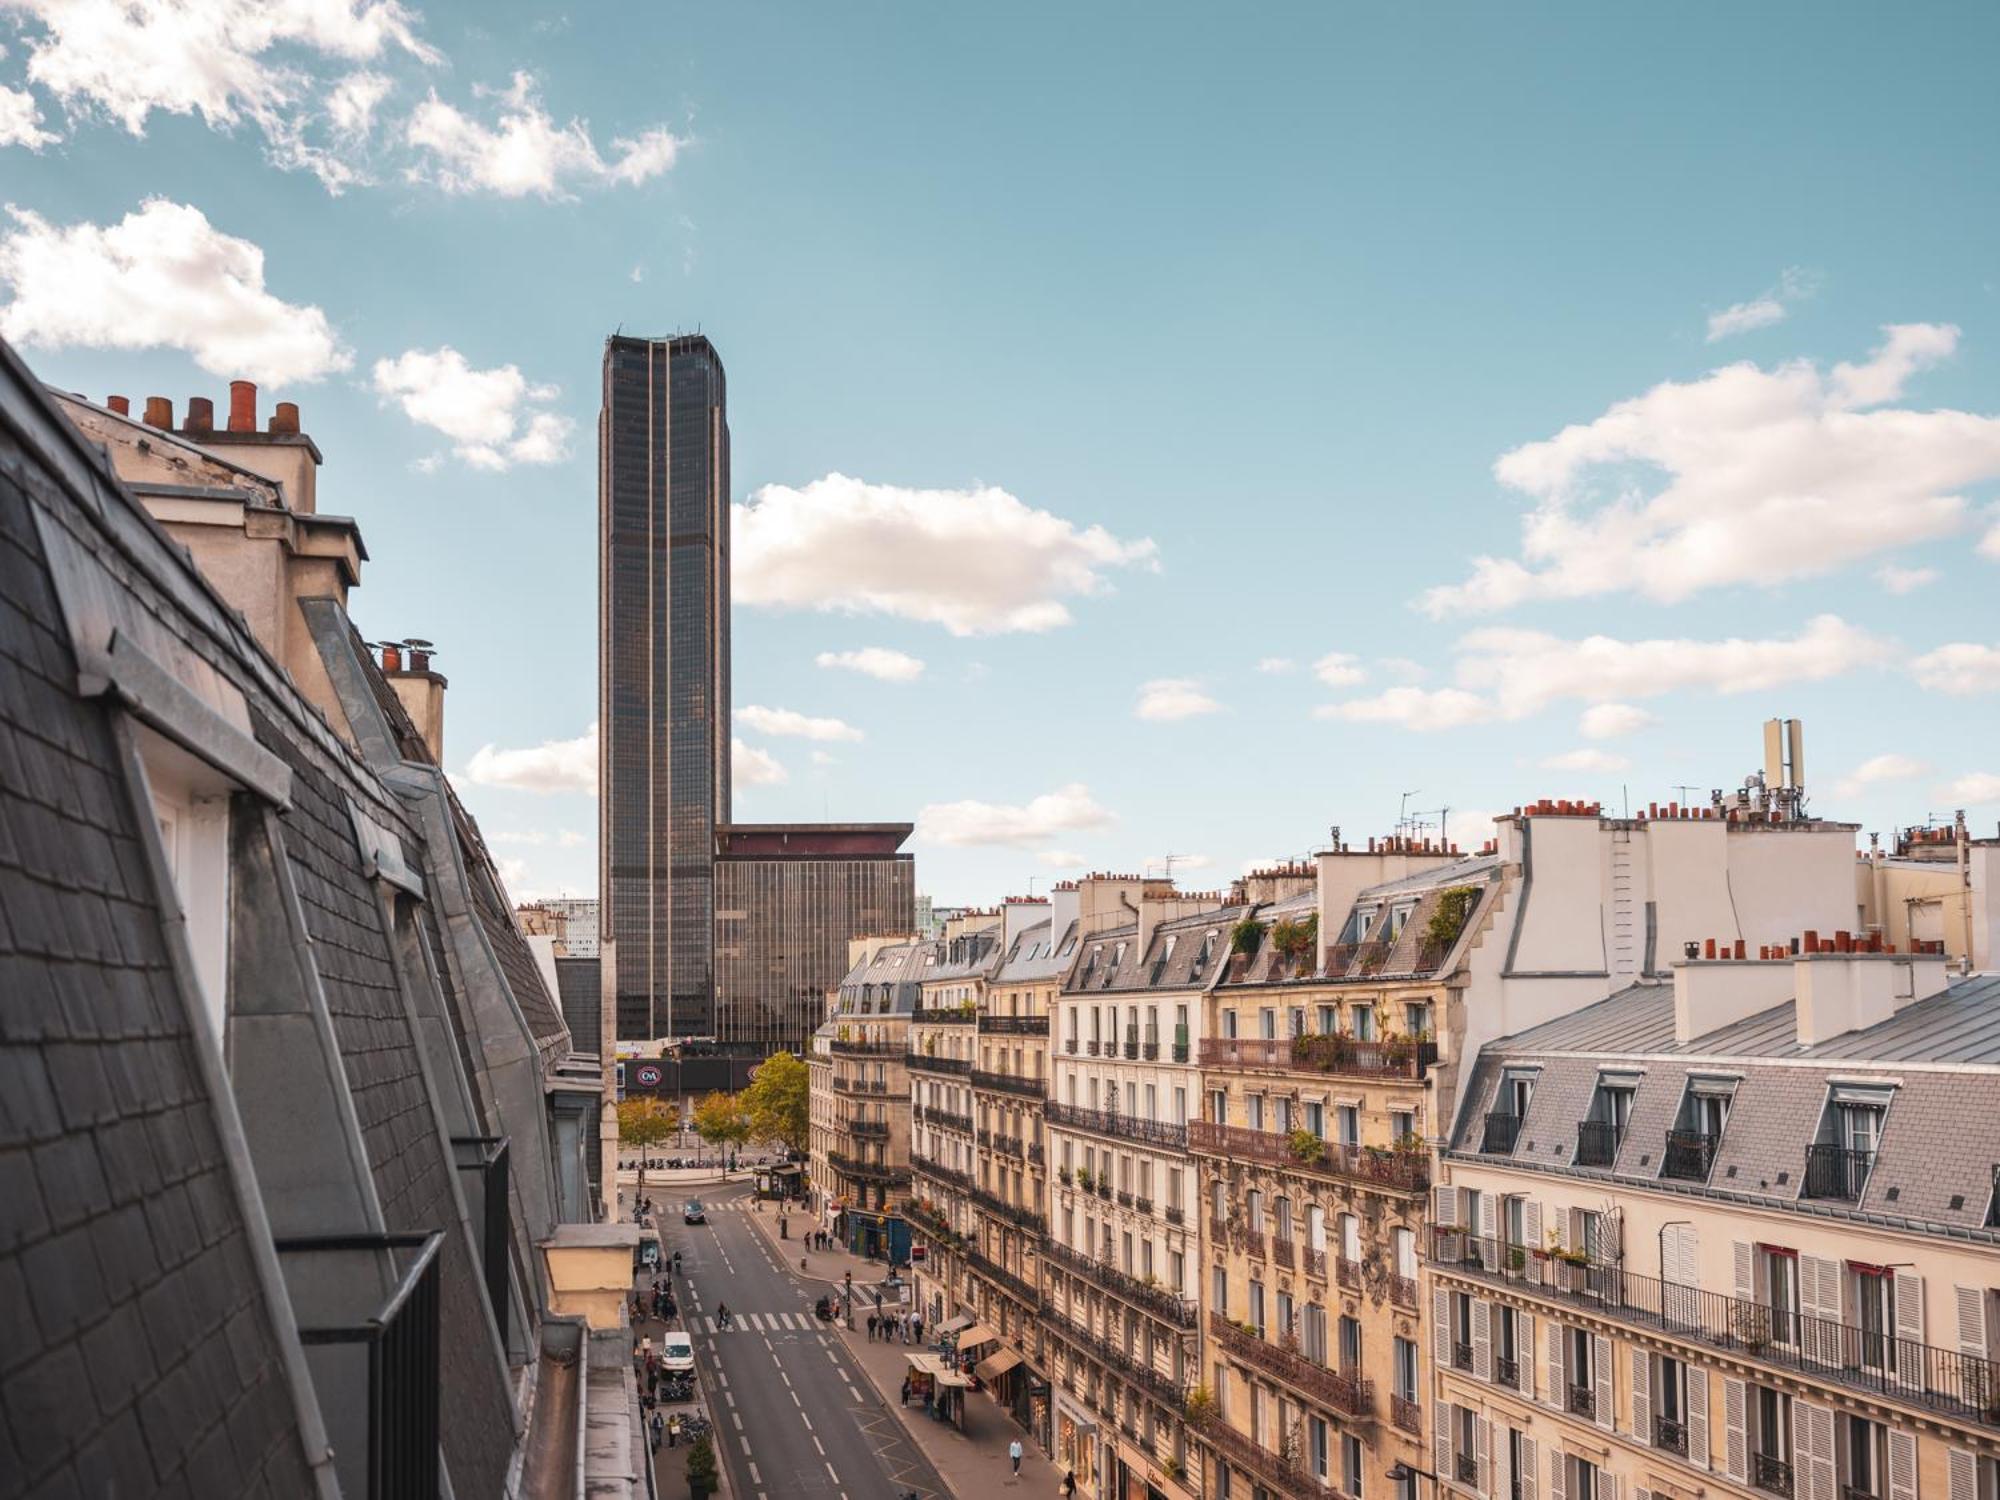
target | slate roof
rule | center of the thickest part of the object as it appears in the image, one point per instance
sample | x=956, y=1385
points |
x=889, y=982
x=1035, y=958
x=1178, y=955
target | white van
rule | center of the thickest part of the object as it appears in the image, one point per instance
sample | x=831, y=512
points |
x=676, y=1351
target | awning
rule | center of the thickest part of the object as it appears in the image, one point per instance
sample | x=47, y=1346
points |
x=954, y=1379
x=976, y=1335
x=925, y=1363
x=995, y=1365
x=955, y=1322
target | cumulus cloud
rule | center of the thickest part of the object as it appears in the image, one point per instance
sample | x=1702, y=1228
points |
x=1611, y=721
x=552, y=766
x=977, y=561
x=1276, y=666
x=749, y=766
x=791, y=725
x=966, y=824
x=1961, y=669
x=162, y=277
x=1511, y=674
x=1744, y=475
x=1989, y=544
x=1166, y=699
x=1339, y=669
x=525, y=151
x=1587, y=759
x=495, y=418
x=878, y=662
x=1764, y=310
x=1880, y=768
x=21, y=121
x=1904, y=580
x=1978, y=786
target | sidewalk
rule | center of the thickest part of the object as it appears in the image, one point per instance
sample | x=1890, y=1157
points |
x=970, y=1462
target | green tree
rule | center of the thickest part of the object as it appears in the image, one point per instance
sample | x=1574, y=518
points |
x=719, y=1120
x=778, y=1101
x=644, y=1122
x=702, y=1477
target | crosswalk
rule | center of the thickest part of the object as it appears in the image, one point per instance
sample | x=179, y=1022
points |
x=775, y=1322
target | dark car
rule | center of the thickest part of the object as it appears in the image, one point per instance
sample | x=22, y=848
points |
x=694, y=1213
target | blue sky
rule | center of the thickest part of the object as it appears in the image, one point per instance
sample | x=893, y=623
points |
x=1300, y=296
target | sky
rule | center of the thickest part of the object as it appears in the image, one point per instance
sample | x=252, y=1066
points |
x=1157, y=430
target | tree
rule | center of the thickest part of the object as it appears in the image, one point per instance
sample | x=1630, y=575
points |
x=644, y=1122
x=719, y=1120
x=779, y=1101
x=702, y=1476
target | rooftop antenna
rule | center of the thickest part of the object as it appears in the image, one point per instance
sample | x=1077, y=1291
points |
x=1683, y=788
x=1403, y=809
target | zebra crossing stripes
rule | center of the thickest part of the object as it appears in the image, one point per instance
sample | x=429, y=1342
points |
x=776, y=1322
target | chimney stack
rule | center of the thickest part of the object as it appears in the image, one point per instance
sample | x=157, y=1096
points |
x=120, y=404
x=242, y=406
x=285, y=417
x=159, y=412
x=407, y=665
x=200, y=415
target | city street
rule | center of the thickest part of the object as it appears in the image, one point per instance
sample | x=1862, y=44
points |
x=794, y=1415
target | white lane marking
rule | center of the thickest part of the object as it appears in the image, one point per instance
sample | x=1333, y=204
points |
x=784, y=1377
x=831, y=1360
x=746, y=1445
x=755, y=1477
x=853, y=1394
x=737, y=1418
x=730, y=1397
x=795, y=1400
x=821, y=1446
x=722, y=1377
x=808, y=1421
x=831, y=1475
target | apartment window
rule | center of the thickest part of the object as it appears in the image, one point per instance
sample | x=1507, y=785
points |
x=1350, y=1343
x=1267, y=1024
x=1506, y=1344
x=1312, y=1336
x=1315, y=1112
x=1864, y=1456
x=1840, y=1159
x=1402, y=1125
x=1583, y=1479
x=1600, y=1133
x=1363, y=1018
x=1350, y=1239
x=1254, y=1203
x=1298, y=1021
x=1282, y=1216
x=1218, y=1106
x=1461, y=1331
x=1871, y=1292
x=1180, y=1105
x=1317, y=1434
x=1405, y=1242
x=1254, y=1111
x=191, y=809
x=1404, y=1368
x=1399, y=917
x=1218, y=1201
x=1778, y=1281
x=1519, y=1462
x=1514, y=1222
x=1350, y=1463
x=1176, y=1269
x=1219, y=1290
x=1417, y=1020
x=1465, y=1444
x=1580, y=1370
x=1328, y=1024
x=1348, y=1118
x=1281, y=1115
x=1771, y=1440
x=1256, y=1309
x=1229, y=1023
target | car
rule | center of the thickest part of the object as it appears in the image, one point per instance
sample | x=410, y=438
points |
x=694, y=1213
x=676, y=1352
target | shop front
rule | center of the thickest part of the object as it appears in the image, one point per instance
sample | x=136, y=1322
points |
x=1076, y=1447
x=875, y=1234
x=934, y=1385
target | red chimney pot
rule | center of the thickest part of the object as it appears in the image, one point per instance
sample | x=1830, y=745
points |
x=120, y=404
x=285, y=417
x=201, y=414
x=159, y=412
x=242, y=406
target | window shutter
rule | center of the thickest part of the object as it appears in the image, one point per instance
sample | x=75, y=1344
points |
x=1489, y=1229
x=1531, y=1224
x=1678, y=1263
x=1444, y=1206
x=1557, y=1463
x=1903, y=1465
x=1642, y=1395
x=1524, y=1346
x=1910, y=1328
x=1554, y=1340
x=1441, y=1425
x=1607, y=1403
x=1736, y=1433
x=1697, y=1417
x=1484, y=1429
x=1815, y=1450
x=1482, y=1340
x=1607, y=1486
x=1964, y=1474
x=1972, y=1321
x=1746, y=1272
x=1527, y=1476
x=1440, y=1329
x=1819, y=1293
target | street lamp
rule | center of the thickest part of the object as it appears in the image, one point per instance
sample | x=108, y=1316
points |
x=1401, y=1473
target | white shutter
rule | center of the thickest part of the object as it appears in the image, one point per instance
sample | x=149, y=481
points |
x=1531, y=1224
x=1903, y=1464
x=1677, y=1259
x=1964, y=1473
x=1642, y=1396
x=1524, y=1351
x=1554, y=1341
x=1815, y=1450
x=1528, y=1477
x=1607, y=1486
x=1441, y=1425
x=1820, y=1282
x=1736, y=1430
x=1746, y=1272
x=1600, y=1359
x=1488, y=1218
x=1972, y=1321
x=1910, y=1362
x=1697, y=1417
x=1444, y=1206
x=1556, y=1475
x=1440, y=1329
x=1482, y=1339
x=1484, y=1429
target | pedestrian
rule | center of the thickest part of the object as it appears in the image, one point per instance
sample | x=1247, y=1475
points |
x=1068, y=1486
x=906, y=1390
x=871, y=1328
x=1014, y=1453
x=674, y=1431
x=658, y=1427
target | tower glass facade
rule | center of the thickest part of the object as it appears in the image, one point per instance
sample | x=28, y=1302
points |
x=663, y=601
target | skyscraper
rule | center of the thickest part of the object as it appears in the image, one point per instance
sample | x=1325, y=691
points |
x=663, y=674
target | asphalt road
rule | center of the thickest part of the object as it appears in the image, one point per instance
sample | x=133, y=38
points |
x=795, y=1416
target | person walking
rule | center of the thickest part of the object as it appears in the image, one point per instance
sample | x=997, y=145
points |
x=1068, y=1485
x=1014, y=1454
x=871, y=1328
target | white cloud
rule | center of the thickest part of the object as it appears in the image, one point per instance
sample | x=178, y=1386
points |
x=823, y=758
x=489, y=415
x=1166, y=699
x=1904, y=580
x=793, y=725
x=1587, y=759
x=1961, y=669
x=1880, y=768
x=1741, y=476
x=162, y=277
x=1762, y=311
x=965, y=824
x=638, y=274
x=552, y=766
x=21, y=121
x=1276, y=666
x=352, y=104
x=1510, y=674
x=749, y=766
x=1339, y=669
x=1989, y=544
x=1979, y=786
x=525, y=151
x=1403, y=667
x=1611, y=721
x=1061, y=859
x=975, y=561
x=878, y=662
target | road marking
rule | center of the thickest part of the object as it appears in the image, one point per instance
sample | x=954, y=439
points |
x=853, y=1394
x=821, y=1446
x=795, y=1400
x=730, y=1397
x=737, y=1418
x=831, y=1360
x=784, y=1377
x=831, y=1475
x=755, y=1477
x=746, y=1445
x=722, y=1377
x=808, y=1421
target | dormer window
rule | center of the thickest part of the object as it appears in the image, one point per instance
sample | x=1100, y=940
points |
x=1697, y=1131
x=1364, y=918
x=1850, y=1132
x=1398, y=916
x=1599, y=1135
x=1510, y=1107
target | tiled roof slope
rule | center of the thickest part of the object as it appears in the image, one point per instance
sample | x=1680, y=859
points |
x=138, y=1356
x=1192, y=963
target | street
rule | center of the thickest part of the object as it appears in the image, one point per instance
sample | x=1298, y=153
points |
x=794, y=1416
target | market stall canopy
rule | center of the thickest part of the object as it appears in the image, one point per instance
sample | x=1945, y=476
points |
x=926, y=1364
x=997, y=1364
x=951, y=1378
x=955, y=1322
x=976, y=1335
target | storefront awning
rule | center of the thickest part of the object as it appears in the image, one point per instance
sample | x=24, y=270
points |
x=995, y=1365
x=926, y=1363
x=955, y=1322
x=976, y=1335
x=953, y=1379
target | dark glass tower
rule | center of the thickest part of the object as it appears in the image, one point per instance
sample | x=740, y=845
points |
x=663, y=675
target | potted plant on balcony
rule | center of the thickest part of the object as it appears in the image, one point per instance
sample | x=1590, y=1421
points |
x=1305, y=1147
x=1199, y=1407
x=1448, y=918
x=1083, y=1179
x=1246, y=937
x=1396, y=1050
x=1572, y=1269
x=1063, y=1175
x=1175, y=1469
x=1339, y=1052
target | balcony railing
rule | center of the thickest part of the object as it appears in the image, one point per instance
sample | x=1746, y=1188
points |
x=1965, y=1386
x=1321, y=1054
x=1466, y=1467
x=1580, y=1400
x=1010, y=1083
x=860, y=1086
x=1348, y=1273
x=868, y=1130
x=482, y=1166
x=1596, y=1143
x=1461, y=1355
x=1127, y=1127
x=1278, y=1472
x=1501, y=1133
x=1343, y=1390
x=1507, y=1371
x=1155, y=1299
x=1282, y=1251
x=1836, y=1173
x=949, y=1119
x=1000, y=1208
x=925, y=1062
x=953, y=1015
x=1315, y=1263
x=1404, y=1171
x=868, y=1171
x=850, y=1047
x=1016, y=1026
x=1407, y=1415
x=1403, y=1290
x=993, y=1271
x=946, y=1175
x=1689, y=1155
x=1772, y=1475
x=1670, y=1435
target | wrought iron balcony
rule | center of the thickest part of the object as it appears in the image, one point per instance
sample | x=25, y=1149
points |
x=1010, y=1083
x=1466, y=1467
x=1321, y=1054
x=868, y=1171
x=1689, y=1155
x=1402, y=1171
x=1016, y=1026
x=1343, y=1390
x=951, y=1015
x=1580, y=1400
x=850, y=1047
x=860, y=1085
x=1126, y=1127
x=1836, y=1173
x=868, y=1130
x=993, y=1271
x=925, y=1062
x=1000, y=1208
x=1348, y=1273
x=1506, y=1371
x=1461, y=1355
x=1316, y=1264
x=1158, y=1300
x=948, y=1119
x=1279, y=1473
x=1407, y=1415
x=945, y=1175
x=1670, y=1435
x=482, y=1167
x=1282, y=1251
x=1772, y=1475
x=1403, y=1290
x=1596, y=1143
x=1502, y=1130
